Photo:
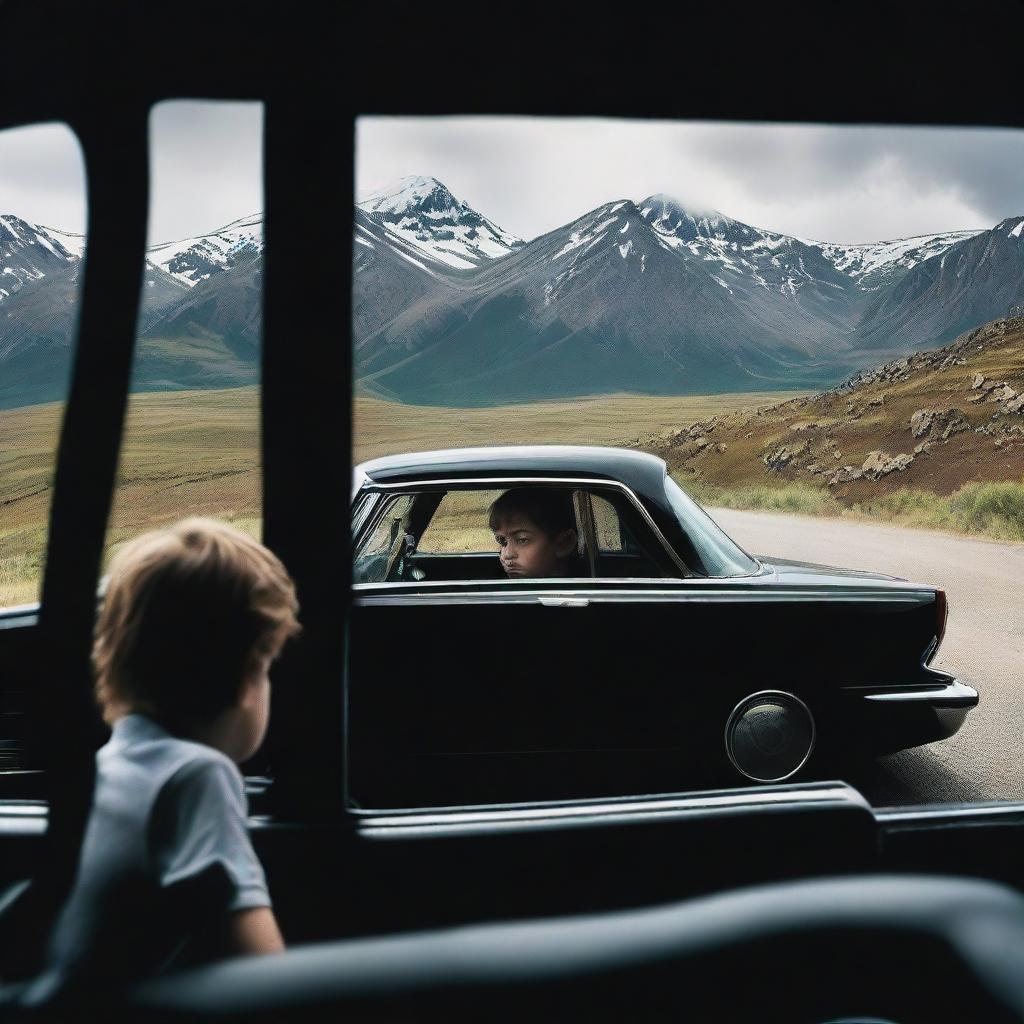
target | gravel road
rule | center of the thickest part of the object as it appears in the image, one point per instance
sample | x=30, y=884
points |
x=984, y=645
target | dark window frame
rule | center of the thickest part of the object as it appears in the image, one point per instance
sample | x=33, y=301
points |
x=336, y=79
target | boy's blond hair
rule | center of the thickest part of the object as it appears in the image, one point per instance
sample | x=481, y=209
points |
x=188, y=614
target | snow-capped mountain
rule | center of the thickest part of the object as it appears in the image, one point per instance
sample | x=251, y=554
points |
x=649, y=297
x=422, y=212
x=30, y=252
x=606, y=303
x=971, y=282
x=761, y=265
x=875, y=265
x=191, y=260
x=390, y=278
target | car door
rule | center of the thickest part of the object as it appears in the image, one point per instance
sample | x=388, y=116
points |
x=468, y=690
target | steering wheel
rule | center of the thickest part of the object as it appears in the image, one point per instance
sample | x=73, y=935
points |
x=906, y=948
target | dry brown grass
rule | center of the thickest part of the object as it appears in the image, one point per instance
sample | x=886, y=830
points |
x=197, y=453
x=385, y=428
x=185, y=453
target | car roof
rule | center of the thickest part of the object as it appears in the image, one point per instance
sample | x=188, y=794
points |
x=643, y=473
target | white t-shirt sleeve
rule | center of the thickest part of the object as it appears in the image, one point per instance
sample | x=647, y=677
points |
x=201, y=821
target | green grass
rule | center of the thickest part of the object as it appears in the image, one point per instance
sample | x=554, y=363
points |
x=799, y=498
x=993, y=508
x=988, y=509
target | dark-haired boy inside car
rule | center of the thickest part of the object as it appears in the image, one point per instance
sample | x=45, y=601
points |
x=192, y=617
x=535, y=530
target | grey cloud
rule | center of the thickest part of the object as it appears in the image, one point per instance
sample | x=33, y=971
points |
x=206, y=166
x=983, y=167
x=42, y=176
x=834, y=183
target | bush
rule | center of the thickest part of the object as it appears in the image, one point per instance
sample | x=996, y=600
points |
x=909, y=507
x=993, y=508
x=796, y=497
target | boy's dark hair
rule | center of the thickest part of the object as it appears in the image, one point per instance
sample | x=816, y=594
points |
x=189, y=612
x=550, y=508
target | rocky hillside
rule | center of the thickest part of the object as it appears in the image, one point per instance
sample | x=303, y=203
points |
x=934, y=421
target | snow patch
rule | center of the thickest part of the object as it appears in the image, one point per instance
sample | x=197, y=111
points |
x=6, y=221
x=411, y=259
x=624, y=250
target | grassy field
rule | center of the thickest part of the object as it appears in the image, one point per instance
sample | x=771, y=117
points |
x=186, y=453
x=197, y=453
x=383, y=428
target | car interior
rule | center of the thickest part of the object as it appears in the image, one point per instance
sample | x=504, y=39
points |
x=797, y=902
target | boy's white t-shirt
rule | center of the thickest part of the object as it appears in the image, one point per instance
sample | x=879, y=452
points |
x=165, y=811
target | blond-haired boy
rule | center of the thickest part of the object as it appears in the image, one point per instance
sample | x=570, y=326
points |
x=192, y=617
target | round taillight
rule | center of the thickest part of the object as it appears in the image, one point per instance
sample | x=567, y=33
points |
x=769, y=736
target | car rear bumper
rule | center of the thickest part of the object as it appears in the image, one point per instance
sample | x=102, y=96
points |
x=898, y=717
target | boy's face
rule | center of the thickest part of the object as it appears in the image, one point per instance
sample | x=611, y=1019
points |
x=527, y=552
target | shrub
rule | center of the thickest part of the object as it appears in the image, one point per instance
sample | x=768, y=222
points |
x=796, y=497
x=995, y=508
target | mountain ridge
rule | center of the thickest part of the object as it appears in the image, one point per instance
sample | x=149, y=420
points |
x=645, y=297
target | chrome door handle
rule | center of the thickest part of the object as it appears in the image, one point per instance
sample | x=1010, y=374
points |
x=564, y=602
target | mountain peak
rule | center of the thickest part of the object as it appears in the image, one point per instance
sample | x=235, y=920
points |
x=423, y=212
x=411, y=194
x=1012, y=226
x=669, y=216
x=664, y=201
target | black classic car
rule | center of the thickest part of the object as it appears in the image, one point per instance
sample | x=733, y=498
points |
x=671, y=656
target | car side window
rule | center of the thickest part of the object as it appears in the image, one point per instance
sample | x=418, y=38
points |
x=380, y=549
x=606, y=524
x=434, y=536
x=460, y=525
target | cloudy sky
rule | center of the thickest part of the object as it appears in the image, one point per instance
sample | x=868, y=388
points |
x=205, y=168
x=842, y=184
x=530, y=175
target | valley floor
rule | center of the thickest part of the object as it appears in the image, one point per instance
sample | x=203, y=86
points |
x=197, y=452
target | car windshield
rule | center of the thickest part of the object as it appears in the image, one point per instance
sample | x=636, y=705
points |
x=718, y=554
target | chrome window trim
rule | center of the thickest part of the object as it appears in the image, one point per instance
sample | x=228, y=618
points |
x=932, y=816
x=402, y=824
x=518, y=591
x=471, y=483
x=19, y=616
x=362, y=505
x=15, y=815
x=359, y=481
